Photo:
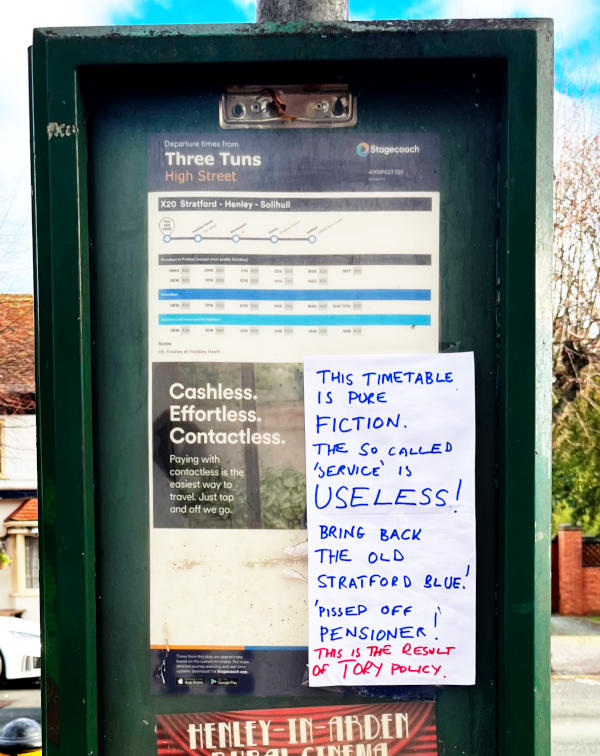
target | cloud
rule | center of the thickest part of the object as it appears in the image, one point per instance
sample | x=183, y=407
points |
x=248, y=6
x=586, y=76
x=573, y=20
x=15, y=198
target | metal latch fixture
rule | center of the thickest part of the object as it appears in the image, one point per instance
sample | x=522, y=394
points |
x=278, y=107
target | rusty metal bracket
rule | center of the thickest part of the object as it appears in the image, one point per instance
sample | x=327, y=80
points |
x=278, y=107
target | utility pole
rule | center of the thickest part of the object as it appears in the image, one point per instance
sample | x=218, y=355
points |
x=301, y=10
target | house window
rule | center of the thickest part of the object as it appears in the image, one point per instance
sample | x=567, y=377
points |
x=25, y=564
x=32, y=563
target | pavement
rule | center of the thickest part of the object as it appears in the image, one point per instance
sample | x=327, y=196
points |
x=575, y=648
x=19, y=699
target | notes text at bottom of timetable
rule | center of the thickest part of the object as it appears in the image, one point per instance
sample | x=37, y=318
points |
x=228, y=343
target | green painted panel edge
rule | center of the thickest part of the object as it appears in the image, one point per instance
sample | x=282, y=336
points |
x=64, y=416
x=271, y=42
x=525, y=390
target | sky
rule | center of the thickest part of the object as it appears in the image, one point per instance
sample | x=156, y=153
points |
x=577, y=39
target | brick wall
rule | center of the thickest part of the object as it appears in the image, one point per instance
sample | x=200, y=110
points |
x=591, y=590
x=570, y=579
x=578, y=586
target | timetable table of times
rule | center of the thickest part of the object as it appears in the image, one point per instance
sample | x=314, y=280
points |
x=232, y=275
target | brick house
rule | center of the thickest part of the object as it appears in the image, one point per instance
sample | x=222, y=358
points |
x=19, y=589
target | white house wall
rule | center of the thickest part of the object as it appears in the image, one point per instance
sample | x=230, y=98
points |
x=18, y=449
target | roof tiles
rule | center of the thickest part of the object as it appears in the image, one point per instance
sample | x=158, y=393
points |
x=25, y=512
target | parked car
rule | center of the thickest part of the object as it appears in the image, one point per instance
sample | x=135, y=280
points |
x=19, y=648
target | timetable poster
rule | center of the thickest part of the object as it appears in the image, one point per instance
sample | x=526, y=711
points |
x=263, y=247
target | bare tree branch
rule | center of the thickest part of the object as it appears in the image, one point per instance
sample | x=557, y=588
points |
x=576, y=285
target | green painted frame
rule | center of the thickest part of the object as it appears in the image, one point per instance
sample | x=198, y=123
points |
x=63, y=323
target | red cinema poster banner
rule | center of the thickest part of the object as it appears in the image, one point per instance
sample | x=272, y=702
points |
x=395, y=729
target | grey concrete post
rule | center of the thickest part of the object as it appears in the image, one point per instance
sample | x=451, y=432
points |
x=301, y=10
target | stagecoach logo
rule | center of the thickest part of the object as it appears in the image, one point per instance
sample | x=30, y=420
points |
x=363, y=149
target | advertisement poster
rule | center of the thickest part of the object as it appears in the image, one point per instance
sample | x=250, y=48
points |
x=390, y=482
x=263, y=248
x=405, y=729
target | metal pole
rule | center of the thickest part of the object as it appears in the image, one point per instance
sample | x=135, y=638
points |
x=301, y=10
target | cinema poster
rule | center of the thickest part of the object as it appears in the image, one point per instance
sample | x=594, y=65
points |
x=390, y=729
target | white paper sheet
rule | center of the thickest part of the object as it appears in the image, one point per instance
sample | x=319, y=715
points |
x=390, y=452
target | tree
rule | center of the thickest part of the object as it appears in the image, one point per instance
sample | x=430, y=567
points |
x=576, y=295
x=576, y=462
x=576, y=318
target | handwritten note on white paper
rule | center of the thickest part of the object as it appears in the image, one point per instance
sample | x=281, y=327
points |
x=390, y=456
